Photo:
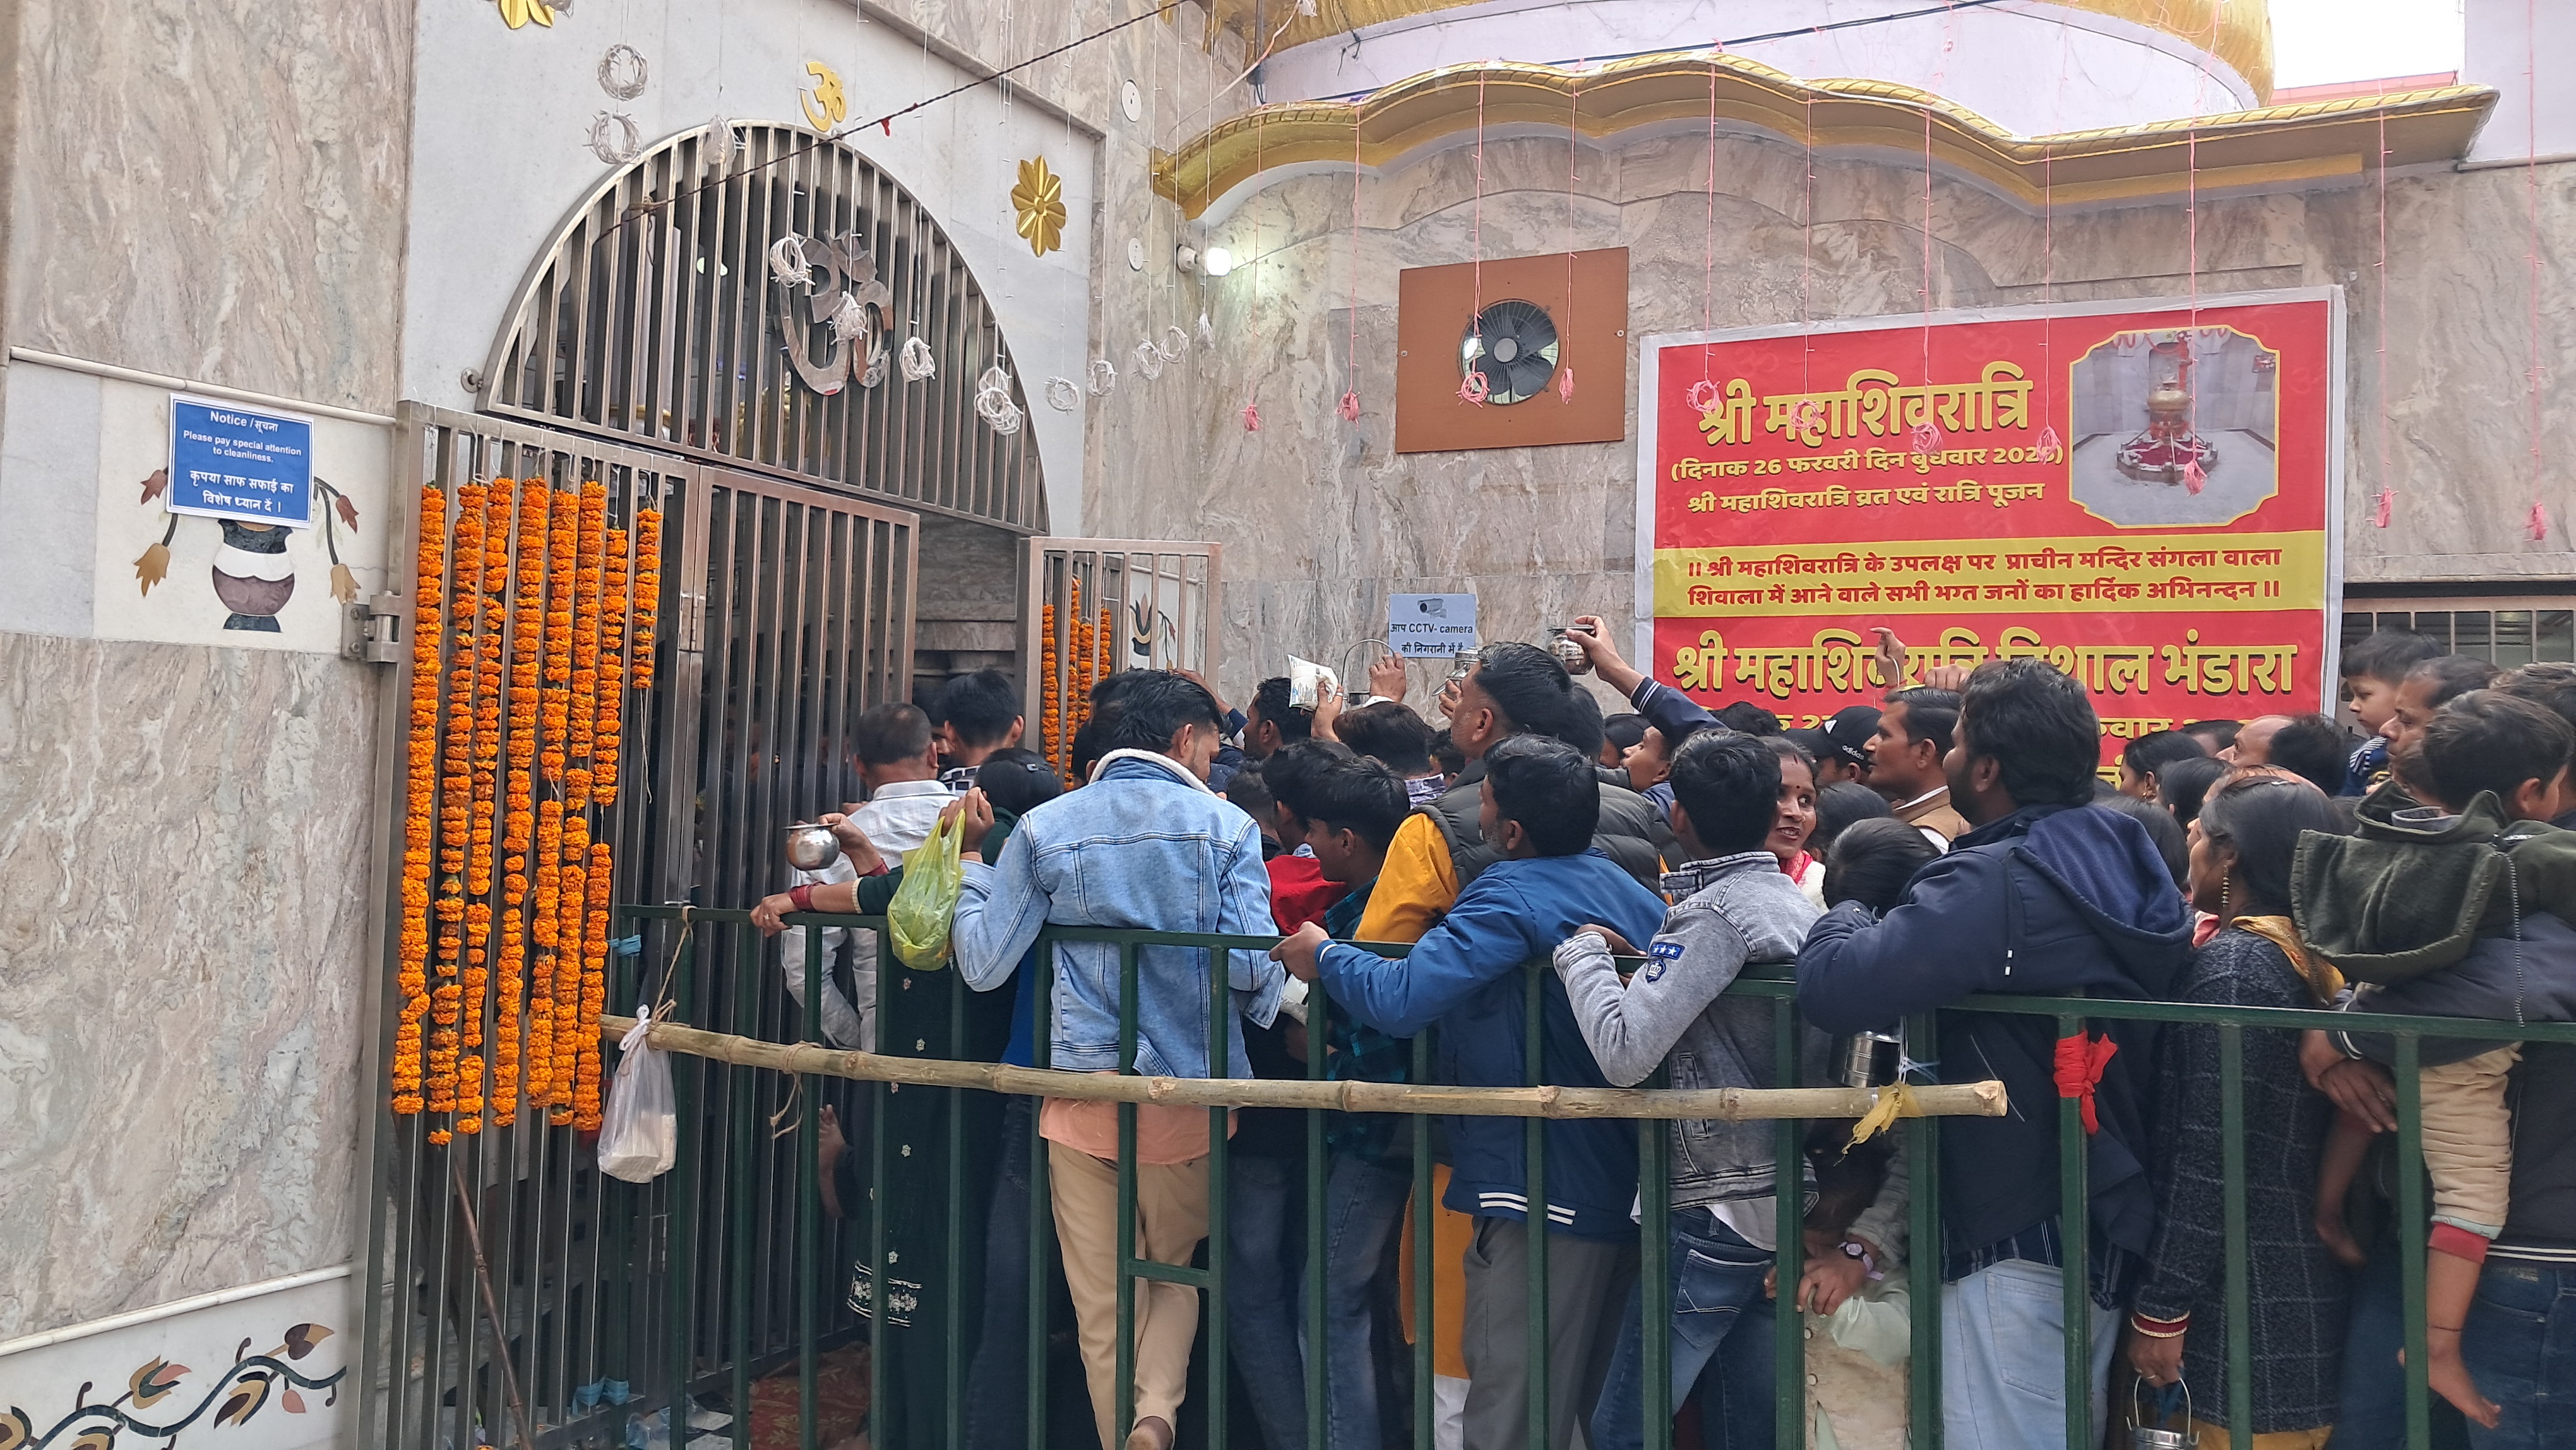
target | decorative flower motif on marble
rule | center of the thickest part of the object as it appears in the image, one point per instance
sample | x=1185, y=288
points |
x=1039, y=201
x=251, y=1384
x=517, y=13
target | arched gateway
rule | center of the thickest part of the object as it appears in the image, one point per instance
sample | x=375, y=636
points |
x=720, y=340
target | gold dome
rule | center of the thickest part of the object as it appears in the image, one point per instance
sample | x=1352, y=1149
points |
x=2238, y=32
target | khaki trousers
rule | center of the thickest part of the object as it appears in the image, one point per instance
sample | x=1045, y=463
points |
x=1171, y=1218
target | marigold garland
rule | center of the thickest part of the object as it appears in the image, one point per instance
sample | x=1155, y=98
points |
x=607, y=738
x=527, y=630
x=420, y=791
x=648, y=592
x=592, y=542
x=522, y=611
x=541, y=977
x=490, y=616
x=555, y=707
x=455, y=805
x=594, y=988
x=569, y=924
x=1051, y=695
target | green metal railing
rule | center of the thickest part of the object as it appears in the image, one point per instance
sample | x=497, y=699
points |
x=698, y=1361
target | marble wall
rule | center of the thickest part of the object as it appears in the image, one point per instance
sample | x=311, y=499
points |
x=214, y=189
x=182, y=925
x=1321, y=519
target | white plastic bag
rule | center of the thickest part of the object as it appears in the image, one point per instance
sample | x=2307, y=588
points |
x=639, y=1138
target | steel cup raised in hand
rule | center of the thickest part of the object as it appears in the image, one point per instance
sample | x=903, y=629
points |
x=811, y=847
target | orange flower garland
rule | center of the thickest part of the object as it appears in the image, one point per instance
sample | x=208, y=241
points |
x=420, y=787
x=1050, y=693
x=541, y=979
x=607, y=738
x=519, y=823
x=569, y=924
x=594, y=989
x=592, y=542
x=455, y=806
x=493, y=578
x=555, y=709
x=648, y=591
x=525, y=607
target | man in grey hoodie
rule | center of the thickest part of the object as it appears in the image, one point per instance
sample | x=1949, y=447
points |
x=1734, y=906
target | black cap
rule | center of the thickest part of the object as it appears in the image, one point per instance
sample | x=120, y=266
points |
x=1848, y=732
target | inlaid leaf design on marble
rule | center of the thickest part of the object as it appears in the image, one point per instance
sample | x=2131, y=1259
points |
x=154, y=1381
x=245, y=1399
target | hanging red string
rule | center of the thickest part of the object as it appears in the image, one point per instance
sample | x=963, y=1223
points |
x=2379, y=510
x=1573, y=175
x=1708, y=244
x=1472, y=388
x=2539, y=522
x=1350, y=406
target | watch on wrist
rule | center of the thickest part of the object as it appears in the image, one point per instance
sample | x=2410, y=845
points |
x=1854, y=1249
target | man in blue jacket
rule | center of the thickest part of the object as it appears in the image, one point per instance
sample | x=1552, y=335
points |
x=1145, y=846
x=1468, y=976
x=2048, y=897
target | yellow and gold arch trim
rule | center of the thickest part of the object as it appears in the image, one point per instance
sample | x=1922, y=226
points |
x=2268, y=146
x=2238, y=32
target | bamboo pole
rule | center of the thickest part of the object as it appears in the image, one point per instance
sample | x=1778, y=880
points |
x=1973, y=1100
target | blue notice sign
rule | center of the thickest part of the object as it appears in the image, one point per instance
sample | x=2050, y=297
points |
x=232, y=462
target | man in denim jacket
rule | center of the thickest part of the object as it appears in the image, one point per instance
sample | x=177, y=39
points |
x=1732, y=906
x=1144, y=846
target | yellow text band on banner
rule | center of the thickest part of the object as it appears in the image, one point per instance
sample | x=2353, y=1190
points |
x=2132, y=573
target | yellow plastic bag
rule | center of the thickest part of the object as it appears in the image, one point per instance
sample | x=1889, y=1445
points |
x=917, y=919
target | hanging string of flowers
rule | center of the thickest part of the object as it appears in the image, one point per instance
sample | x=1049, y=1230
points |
x=420, y=791
x=648, y=591
x=522, y=622
x=1051, y=695
x=592, y=543
x=527, y=633
x=1086, y=660
x=554, y=710
x=570, y=922
x=607, y=739
x=455, y=806
x=541, y=978
x=493, y=582
x=594, y=989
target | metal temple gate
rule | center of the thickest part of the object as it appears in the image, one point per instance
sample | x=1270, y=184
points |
x=1096, y=606
x=785, y=612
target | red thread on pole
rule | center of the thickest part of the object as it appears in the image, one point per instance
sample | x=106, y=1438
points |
x=2079, y=1066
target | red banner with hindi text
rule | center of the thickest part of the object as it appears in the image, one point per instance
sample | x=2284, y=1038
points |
x=2143, y=496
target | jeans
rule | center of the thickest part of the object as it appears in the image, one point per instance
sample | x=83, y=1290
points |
x=998, y=1420
x=2003, y=1359
x=2371, y=1409
x=1363, y=1203
x=1261, y=1293
x=1716, y=1281
x=2520, y=1346
x=1739, y=1406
